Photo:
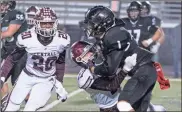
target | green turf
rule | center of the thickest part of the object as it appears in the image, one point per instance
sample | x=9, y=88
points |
x=170, y=99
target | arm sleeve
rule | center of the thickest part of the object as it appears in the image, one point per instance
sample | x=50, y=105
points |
x=110, y=65
x=17, y=18
x=109, y=84
x=60, y=66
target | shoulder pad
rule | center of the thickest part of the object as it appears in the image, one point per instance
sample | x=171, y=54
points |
x=62, y=34
x=116, y=38
x=117, y=33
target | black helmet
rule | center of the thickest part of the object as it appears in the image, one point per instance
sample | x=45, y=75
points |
x=7, y=5
x=146, y=8
x=98, y=19
x=134, y=6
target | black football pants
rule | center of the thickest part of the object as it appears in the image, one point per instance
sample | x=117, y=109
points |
x=137, y=91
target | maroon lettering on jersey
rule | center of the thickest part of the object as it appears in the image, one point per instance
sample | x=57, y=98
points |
x=61, y=34
x=26, y=34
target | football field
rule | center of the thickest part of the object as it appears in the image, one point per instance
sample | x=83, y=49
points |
x=79, y=100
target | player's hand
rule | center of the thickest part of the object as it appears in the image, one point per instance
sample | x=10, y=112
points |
x=146, y=43
x=61, y=92
x=62, y=95
x=154, y=49
x=130, y=62
x=99, y=58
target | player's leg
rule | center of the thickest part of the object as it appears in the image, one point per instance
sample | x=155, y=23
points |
x=5, y=88
x=18, y=67
x=145, y=101
x=39, y=95
x=136, y=87
x=20, y=90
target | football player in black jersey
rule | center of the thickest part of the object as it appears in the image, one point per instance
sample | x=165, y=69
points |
x=12, y=24
x=120, y=51
x=141, y=28
x=145, y=12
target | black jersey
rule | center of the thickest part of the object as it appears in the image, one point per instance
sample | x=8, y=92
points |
x=155, y=20
x=142, y=29
x=117, y=44
x=12, y=17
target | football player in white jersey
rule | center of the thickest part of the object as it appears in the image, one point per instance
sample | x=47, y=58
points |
x=45, y=46
x=104, y=91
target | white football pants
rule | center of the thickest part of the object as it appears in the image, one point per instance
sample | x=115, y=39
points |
x=40, y=91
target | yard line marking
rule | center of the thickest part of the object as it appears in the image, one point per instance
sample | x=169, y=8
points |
x=54, y=103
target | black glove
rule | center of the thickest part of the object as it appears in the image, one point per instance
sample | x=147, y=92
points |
x=99, y=59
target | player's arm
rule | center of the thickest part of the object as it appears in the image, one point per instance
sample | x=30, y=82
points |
x=158, y=22
x=10, y=61
x=60, y=66
x=12, y=58
x=116, y=44
x=60, y=63
x=15, y=24
x=158, y=36
x=154, y=29
x=109, y=84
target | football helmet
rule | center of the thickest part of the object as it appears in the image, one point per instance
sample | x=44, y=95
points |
x=146, y=8
x=98, y=20
x=82, y=52
x=46, y=23
x=133, y=10
x=7, y=5
x=30, y=14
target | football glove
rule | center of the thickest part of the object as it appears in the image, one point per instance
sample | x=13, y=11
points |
x=61, y=92
x=130, y=62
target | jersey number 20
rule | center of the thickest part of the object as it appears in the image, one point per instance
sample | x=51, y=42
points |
x=42, y=64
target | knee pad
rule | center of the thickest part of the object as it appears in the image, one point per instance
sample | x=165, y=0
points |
x=124, y=106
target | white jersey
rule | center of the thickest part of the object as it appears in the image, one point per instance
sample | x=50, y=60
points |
x=41, y=59
x=104, y=99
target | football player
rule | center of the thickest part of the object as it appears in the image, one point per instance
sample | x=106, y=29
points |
x=142, y=28
x=45, y=46
x=12, y=24
x=104, y=91
x=120, y=50
x=145, y=12
x=30, y=14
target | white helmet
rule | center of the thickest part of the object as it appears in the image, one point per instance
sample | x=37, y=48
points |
x=30, y=14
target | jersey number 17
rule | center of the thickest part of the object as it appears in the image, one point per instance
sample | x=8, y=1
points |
x=136, y=34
